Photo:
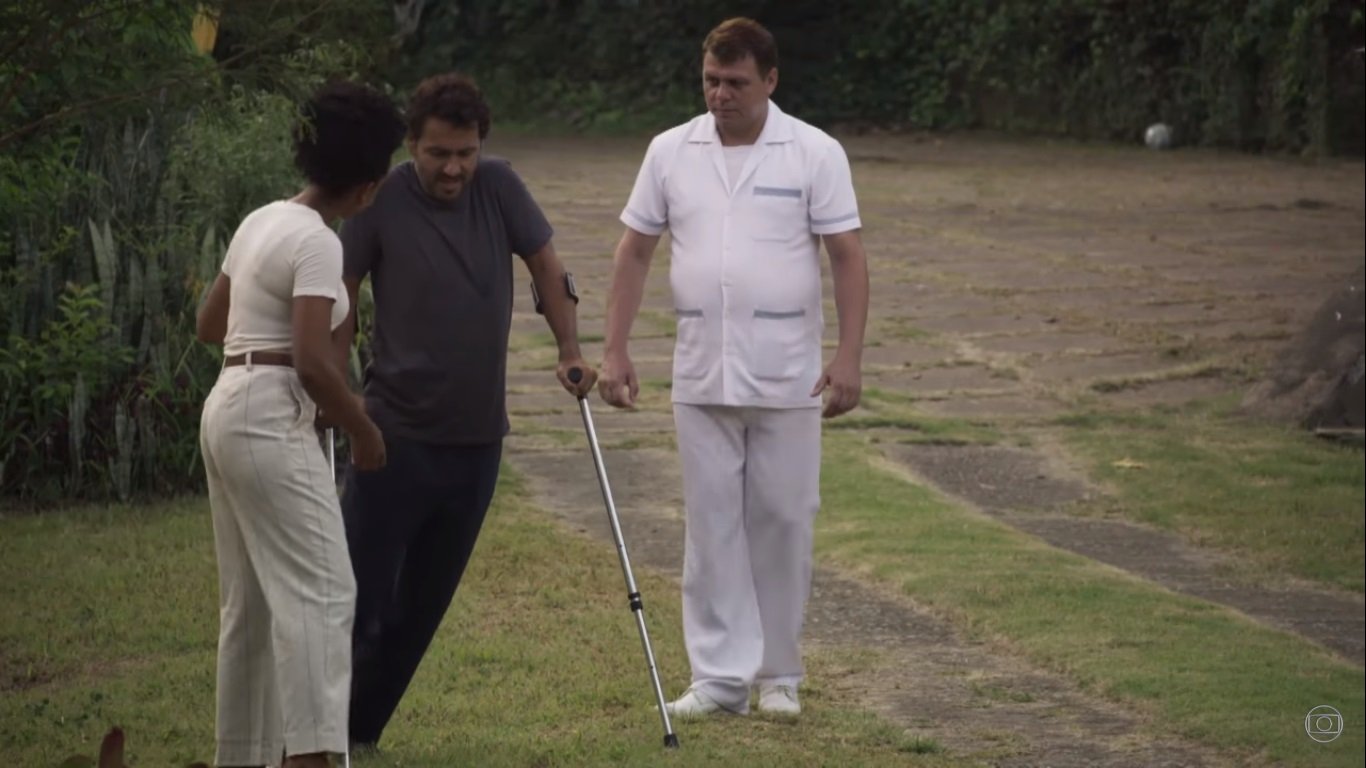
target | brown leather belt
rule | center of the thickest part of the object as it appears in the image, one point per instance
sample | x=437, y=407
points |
x=260, y=358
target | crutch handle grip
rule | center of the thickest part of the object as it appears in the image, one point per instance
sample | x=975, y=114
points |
x=575, y=375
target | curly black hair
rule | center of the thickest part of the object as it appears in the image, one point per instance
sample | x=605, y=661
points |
x=346, y=136
x=452, y=97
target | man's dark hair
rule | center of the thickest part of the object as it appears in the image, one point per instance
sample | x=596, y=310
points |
x=451, y=97
x=346, y=136
x=734, y=39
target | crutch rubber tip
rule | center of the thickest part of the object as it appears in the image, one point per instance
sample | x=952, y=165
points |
x=670, y=741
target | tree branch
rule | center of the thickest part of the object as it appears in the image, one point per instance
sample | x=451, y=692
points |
x=47, y=49
x=15, y=134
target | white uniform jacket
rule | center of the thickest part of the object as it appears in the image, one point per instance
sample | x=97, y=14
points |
x=745, y=263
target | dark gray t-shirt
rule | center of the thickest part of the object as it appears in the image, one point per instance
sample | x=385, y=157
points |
x=442, y=280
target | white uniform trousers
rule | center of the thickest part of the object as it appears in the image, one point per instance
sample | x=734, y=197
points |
x=286, y=590
x=751, y=489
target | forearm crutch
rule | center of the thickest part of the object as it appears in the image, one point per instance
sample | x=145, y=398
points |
x=632, y=593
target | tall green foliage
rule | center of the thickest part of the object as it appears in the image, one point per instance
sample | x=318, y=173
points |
x=121, y=178
x=1252, y=74
x=48, y=383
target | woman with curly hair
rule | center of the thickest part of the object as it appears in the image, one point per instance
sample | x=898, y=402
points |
x=286, y=589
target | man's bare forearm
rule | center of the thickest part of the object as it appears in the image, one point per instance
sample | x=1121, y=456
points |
x=631, y=265
x=849, y=272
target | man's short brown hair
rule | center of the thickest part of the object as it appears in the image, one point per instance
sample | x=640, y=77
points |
x=451, y=97
x=734, y=39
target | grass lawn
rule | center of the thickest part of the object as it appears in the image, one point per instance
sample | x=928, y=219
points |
x=110, y=615
x=1193, y=667
x=111, y=618
x=1285, y=502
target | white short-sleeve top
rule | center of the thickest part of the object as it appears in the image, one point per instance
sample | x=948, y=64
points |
x=745, y=262
x=280, y=251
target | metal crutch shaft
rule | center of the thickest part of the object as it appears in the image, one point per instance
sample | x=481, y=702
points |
x=332, y=454
x=632, y=593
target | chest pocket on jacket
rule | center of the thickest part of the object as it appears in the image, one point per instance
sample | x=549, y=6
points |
x=778, y=212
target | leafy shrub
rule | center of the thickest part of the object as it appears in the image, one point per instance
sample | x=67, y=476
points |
x=52, y=383
x=119, y=186
x=1252, y=74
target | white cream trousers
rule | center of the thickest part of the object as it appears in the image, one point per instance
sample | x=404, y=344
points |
x=751, y=489
x=287, y=594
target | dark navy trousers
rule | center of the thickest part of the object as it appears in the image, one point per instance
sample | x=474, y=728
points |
x=411, y=527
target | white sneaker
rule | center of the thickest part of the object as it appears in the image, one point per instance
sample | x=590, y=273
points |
x=779, y=699
x=695, y=703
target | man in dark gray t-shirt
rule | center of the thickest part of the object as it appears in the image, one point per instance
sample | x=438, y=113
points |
x=437, y=244
x=442, y=282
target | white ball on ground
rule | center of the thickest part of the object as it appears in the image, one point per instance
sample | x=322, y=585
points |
x=1158, y=136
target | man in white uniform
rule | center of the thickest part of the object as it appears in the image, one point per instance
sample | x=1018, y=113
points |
x=747, y=193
